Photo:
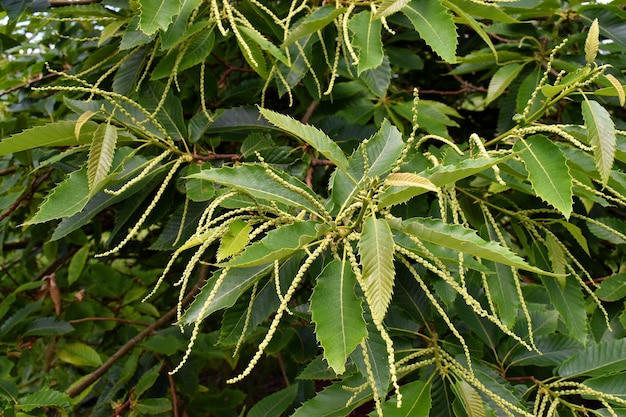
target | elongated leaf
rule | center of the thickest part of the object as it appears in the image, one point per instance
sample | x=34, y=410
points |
x=601, y=135
x=568, y=300
x=47, y=326
x=265, y=44
x=367, y=39
x=472, y=403
x=253, y=54
x=101, y=155
x=435, y=25
x=449, y=174
x=612, y=384
x=312, y=23
x=175, y=31
x=461, y=239
x=617, y=89
x=65, y=200
x=548, y=172
x=237, y=281
x=157, y=14
x=378, y=360
x=310, y=134
x=274, y=405
x=415, y=401
x=337, y=313
x=403, y=186
x=553, y=350
x=389, y=7
x=51, y=134
x=378, y=79
x=592, y=42
x=278, y=243
x=170, y=115
x=77, y=264
x=18, y=318
x=299, y=52
x=596, y=360
x=44, y=398
x=153, y=406
x=612, y=288
x=335, y=400
x=198, y=51
x=501, y=80
x=376, y=253
x=79, y=354
x=255, y=181
x=234, y=240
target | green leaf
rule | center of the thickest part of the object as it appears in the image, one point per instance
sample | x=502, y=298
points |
x=592, y=42
x=236, y=282
x=376, y=253
x=310, y=134
x=435, y=25
x=79, y=354
x=443, y=175
x=254, y=180
x=147, y=380
x=596, y=360
x=402, y=187
x=378, y=79
x=335, y=400
x=18, y=318
x=614, y=385
x=553, y=350
x=378, y=361
x=156, y=14
x=200, y=48
x=337, y=314
x=153, y=406
x=367, y=39
x=278, y=244
x=613, y=288
x=234, y=240
x=175, y=31
x=198, y=189
x=275, y=404
x=44, y=398
x=616, y=89
x=51, y=134
x=548, y=171
x=470, y=399
x=601, y=135
x=503, y=77
x=101, y=155
x=253, y=54
x=613, y=232
x=64, y=200
x=47, y=326
x=170, y=115
x=415, y=401
x=312, y=23
x=389, y=7
x=266, y=45
x=462, y=239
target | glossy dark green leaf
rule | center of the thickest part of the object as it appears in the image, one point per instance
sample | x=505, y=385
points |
x=596, y=360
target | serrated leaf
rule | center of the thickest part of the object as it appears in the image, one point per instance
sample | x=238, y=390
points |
x=435, y=26
x=619, y=89
x=51, y=134
x=378, y=79
x=502, y=78
x=577, y=234
x=101, y=155
x=200, y=48
x=275, y=404
x=613, y=232
x=18, y=318
x=367, y=40
x=601, y=135
x=389, y=7
x=469, y=397
x=198, y=189
x=310, y=134
x=44, y=398
x=79, y=354
x=82, y=119
x=415, y=401
x=557, y=256
x=449, y=174
x=255, y=181
x=378, y=360
x=313, y=22
x=592, y=42
x=376, y=253
x=337, y=314
x=548, y=172
x=147, y=380
x=47, y=326
x=253, y=54
x=613, y=288
x=265, y=44
x=335, y=400
x=64, y=200
x=614, y=385
x=234, y=240
x=278, y=243
x=596, y=360
x=156, y=14
x=236, y=282
x=153, y=406
x=552, y=350
x=462, y=239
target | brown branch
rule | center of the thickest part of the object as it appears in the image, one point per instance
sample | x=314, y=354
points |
x=167, y=318
x=7, y=171
x=121, y=408
x=170, y=378
x=36, y=183
x=309, y=111
x=62, y=3
x=33, y=80
x=86, y=319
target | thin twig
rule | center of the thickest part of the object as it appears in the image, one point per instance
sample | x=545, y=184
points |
x=36, y=183
x=86, y=319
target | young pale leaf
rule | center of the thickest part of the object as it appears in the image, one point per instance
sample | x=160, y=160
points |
x=596, y=360
x=462, y=239
x=503, y=77
x=234, y=240
x=65, y=200
x=548, y=172
x=236, y=282
x=471, y=400
x=367, y=39
x=101, y=155
x=389, y=7
x=156, y=14
x=618, y=88
x=276, y=404
x=312, y=23
x=82, y=119
x=52, y=134
x=337, y=314
x=376, y=252
x=255, y=181
x=79, y=354
x=310, y=134
x=592, y=42
x=601, y=135
x=415, y=401
x=402, y=187
x=435, y=25
x=278, y=244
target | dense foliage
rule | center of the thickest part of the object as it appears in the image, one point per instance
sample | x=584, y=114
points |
x=304, y=208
